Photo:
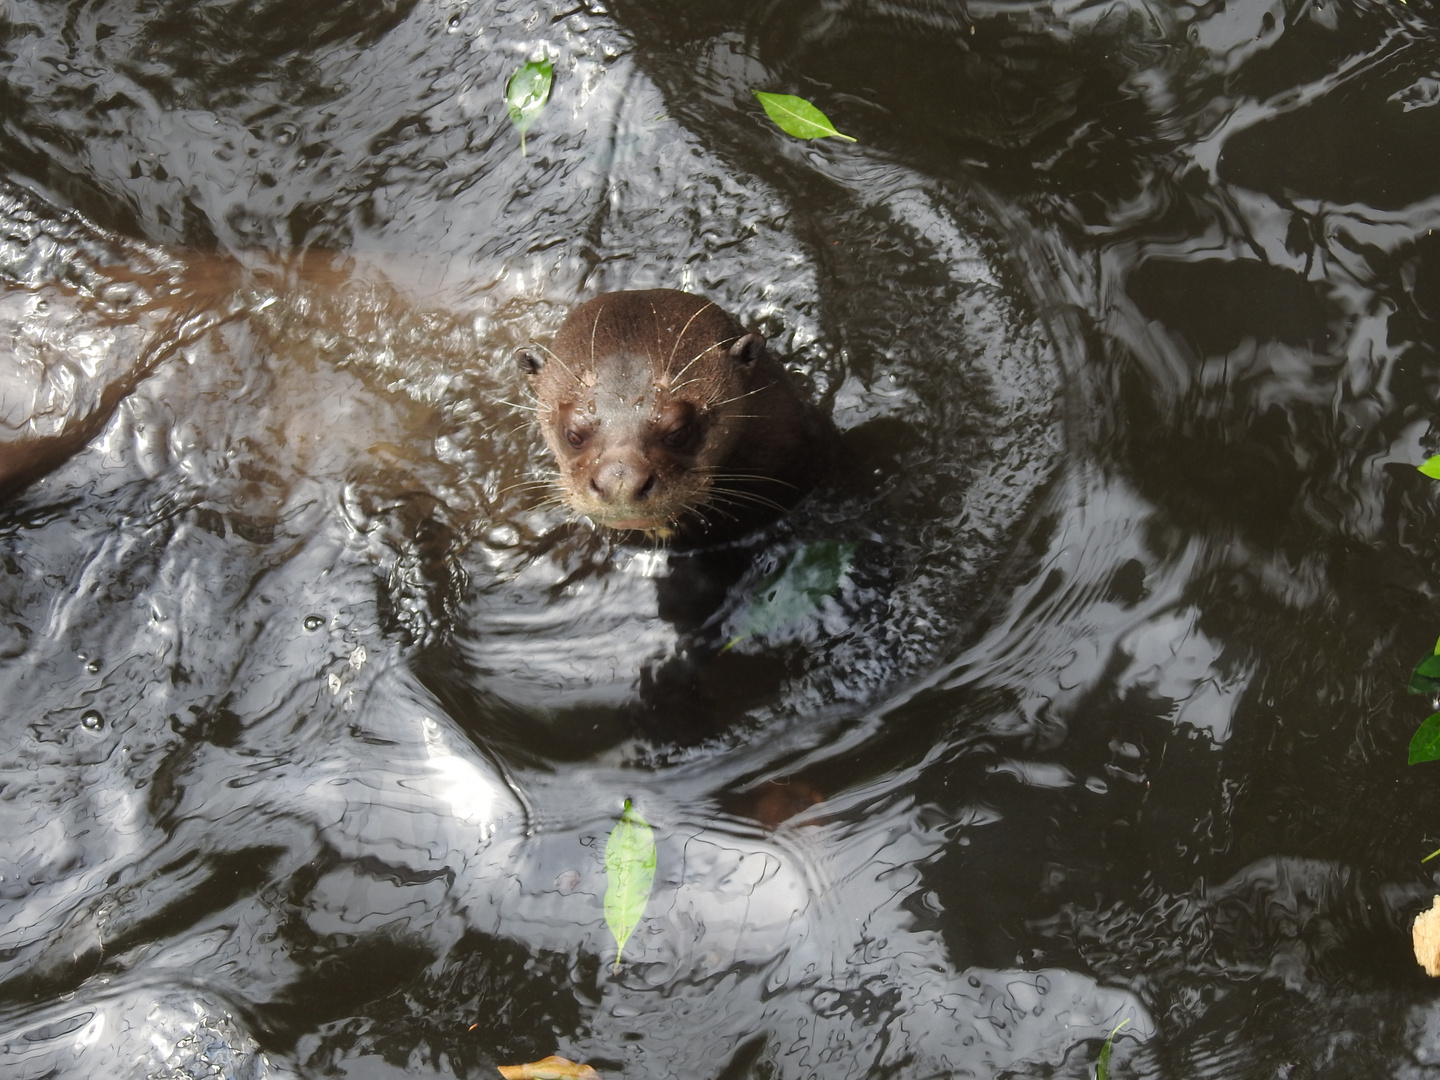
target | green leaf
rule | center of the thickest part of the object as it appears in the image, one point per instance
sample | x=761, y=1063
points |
x=796, y=589
x=1431, y=468
x=1102, y=1066
x=1425, y=679
x=526, y=94
x=630, y=872
x=796, y=116
x=1425, y=744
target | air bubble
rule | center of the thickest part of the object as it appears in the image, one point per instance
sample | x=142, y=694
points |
x=314, y=622
x=91, y=720
x=93, y=667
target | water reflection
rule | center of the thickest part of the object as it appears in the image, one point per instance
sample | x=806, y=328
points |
x=320, y=714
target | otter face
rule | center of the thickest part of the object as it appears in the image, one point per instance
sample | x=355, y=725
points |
x=643, y=401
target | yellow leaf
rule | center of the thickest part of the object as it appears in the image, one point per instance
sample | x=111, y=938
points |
x=550, y=1068
x=1426, y=934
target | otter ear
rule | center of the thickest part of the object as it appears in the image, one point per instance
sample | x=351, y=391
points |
x=528, y=361
x=748, y=349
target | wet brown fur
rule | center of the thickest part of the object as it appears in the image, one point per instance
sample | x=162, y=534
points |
x=666, y=415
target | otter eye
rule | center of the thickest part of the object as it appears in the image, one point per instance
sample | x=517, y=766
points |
x=679, y=437
x=574, y=438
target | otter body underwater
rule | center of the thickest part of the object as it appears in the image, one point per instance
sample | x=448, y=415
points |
x=665, y=415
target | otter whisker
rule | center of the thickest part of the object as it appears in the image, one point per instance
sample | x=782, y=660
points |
x=721, y=512
x=699, y=514
x=547, y=503
x=556, y=357
x=594, y=329
x=737, y=397
x=724, y=487
x=761, y=477
x=723, y=343
x=738, y=495
x=684, y=329
x=555, y=503
x=655, y=327
x=688, y=365
x=524, y=485
x=523, y=425
x=734, y=498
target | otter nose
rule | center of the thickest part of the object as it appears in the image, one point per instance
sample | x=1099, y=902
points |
x=622, y=481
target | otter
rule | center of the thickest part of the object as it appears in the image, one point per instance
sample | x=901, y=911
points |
x=666, y=416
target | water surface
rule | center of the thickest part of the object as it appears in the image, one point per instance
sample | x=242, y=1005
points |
x=319, y=711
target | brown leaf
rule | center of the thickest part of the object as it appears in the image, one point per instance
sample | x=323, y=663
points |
x=550, y=1068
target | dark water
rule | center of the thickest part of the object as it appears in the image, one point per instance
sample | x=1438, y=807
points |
x=318, y=713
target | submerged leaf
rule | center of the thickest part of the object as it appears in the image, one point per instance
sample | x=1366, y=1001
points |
x=796, y=116
x=1102, y=1067
x=526, y=94
x=550, y=1068
x=1425, y=744
x=1431, y=468
x=797, y=589
x=630, y=872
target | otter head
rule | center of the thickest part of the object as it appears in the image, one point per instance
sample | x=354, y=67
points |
x=646, y=400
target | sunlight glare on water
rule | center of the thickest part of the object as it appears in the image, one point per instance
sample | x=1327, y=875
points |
x=321, y=706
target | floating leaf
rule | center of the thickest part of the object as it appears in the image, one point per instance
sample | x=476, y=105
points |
x=1425, y=679
x=797, y=588
x=796, y=116
x=1102, y=1066
x=1425, y=936
x=526, y=94
x=550, y=1068
x=630, y=871
x=1425, y=744
x=1431, y=468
